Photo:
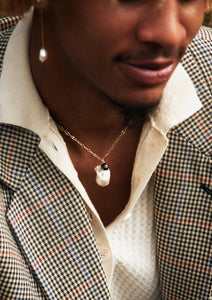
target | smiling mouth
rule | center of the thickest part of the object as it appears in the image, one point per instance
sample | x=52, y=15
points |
x=148, y=73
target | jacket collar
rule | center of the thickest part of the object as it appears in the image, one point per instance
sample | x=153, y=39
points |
x=15, y=159
x=197, y=129
x=49, y=220
x=183, y=189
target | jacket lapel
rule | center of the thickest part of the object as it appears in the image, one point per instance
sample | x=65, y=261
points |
x=183, y=210
x=50, y=222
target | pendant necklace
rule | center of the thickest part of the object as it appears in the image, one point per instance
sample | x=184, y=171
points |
x=102, y=171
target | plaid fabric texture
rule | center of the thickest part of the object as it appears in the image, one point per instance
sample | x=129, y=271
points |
x=183, y=190
x=47, y=248
x=8, y=22
x=7, y=25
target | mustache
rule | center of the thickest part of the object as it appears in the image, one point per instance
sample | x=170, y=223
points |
x=151, y=52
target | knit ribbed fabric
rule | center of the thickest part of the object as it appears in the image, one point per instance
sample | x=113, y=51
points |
x=133, y=247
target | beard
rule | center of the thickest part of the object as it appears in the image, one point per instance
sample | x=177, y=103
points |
x=134, y=116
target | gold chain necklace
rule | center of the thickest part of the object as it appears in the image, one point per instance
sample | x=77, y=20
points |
x=102, y=171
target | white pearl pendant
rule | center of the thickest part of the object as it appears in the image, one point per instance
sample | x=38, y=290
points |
x=43, y=55
x=102, y=176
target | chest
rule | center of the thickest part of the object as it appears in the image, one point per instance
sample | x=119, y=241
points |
x=110, y=200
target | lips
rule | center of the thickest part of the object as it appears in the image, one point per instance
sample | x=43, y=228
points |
x=148, y=73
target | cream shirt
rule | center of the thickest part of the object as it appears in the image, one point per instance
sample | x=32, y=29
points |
x=127, y=246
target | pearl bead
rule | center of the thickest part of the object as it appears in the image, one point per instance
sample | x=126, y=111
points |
x=102, y=176
x=43, y=55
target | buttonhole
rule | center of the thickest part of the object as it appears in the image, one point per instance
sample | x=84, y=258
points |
x=206, y=189
x=90, y=215
x=55, y=148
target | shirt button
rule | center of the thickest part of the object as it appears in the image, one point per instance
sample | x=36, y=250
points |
x=104, y=254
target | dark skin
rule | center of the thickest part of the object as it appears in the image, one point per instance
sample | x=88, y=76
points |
x=83, y=73
x=111, y=200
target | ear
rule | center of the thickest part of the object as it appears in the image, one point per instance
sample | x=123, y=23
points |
x=39, y=3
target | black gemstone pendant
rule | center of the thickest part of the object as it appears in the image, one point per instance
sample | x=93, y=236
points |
x=104, y=166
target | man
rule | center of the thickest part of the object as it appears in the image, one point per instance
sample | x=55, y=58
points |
x=106, y=151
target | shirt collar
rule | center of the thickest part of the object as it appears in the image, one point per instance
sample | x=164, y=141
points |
x=178, y=103
x=20, y=103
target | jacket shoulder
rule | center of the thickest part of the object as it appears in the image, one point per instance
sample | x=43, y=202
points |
x=7, y=23
x=198, y=64
x=203, y=38
x=205, y=33
x=199, y=52
x=201, y=47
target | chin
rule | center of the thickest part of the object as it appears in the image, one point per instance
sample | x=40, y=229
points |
x=141, y=99
x=137, y=95
x=135, y=111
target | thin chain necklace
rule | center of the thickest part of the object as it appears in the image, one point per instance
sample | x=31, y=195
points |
x=102, y=171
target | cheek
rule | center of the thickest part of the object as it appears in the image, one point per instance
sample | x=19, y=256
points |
x=193, y=18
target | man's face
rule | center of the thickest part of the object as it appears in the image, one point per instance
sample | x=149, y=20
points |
x=125, y=49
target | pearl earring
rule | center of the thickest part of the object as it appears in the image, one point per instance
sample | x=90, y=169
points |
x=43, y=54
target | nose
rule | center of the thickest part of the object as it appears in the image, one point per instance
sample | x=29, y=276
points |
x=162, y=25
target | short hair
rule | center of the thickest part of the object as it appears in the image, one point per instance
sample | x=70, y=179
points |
x=18, y=7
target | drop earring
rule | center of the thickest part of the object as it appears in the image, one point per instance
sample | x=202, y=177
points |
x=43, y=54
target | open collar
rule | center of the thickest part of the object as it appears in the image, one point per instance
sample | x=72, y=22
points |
x=25, y=108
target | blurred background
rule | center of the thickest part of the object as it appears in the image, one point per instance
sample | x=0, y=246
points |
x=208, y=19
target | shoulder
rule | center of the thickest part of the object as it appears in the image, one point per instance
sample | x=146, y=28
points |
x=201, y=46
x=198, y=62
x=7, y=26
x=205, y=33
x=200, y=49
x=203, y=39
x=7, y=23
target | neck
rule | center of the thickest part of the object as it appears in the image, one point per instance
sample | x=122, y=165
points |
x=71, y=99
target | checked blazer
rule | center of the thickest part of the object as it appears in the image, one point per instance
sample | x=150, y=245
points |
x=47, y=248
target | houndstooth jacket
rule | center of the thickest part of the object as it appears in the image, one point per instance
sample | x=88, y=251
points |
x=47, y=247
